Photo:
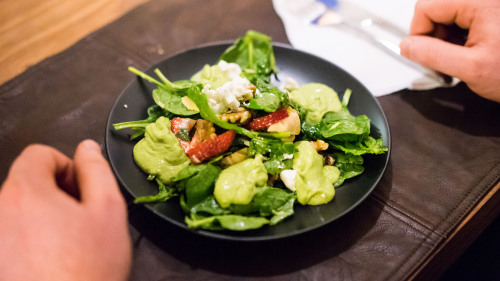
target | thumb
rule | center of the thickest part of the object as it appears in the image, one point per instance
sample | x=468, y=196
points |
x=98, y=187
x=436, y=54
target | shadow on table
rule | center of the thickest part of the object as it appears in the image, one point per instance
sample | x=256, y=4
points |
x=262, y=258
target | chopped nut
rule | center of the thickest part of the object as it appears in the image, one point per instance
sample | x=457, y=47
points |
x=242, y=116
x=320, y=145
x=329, y=160
x=205, y=130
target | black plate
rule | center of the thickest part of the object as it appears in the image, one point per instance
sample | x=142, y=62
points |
x=304, y=68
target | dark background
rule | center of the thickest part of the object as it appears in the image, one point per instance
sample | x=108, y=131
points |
x=481, y=261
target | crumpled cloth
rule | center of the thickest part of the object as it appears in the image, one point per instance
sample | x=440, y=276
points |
x=381, y=71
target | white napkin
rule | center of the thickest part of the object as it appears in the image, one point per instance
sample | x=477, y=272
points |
x=381, y=72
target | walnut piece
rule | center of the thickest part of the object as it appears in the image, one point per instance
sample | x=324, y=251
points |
x=242, y=116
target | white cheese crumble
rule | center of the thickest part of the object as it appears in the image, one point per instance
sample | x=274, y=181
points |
x=231, y=69
x=288, y=85
x=288, y=178
x=229, y=96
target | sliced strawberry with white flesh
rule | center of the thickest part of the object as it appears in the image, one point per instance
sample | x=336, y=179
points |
x=268, y=120
x=290, y=124
x=202, y=151
x=177, y=124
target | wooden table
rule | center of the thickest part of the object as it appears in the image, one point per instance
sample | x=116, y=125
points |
x=32, y=30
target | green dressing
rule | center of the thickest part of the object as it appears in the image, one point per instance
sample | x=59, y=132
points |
x=159, y=153
x=317, y=99
x=238, y=183
x=313, y=182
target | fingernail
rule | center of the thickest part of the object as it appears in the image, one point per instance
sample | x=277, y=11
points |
x=403, y=46
x=91, y=144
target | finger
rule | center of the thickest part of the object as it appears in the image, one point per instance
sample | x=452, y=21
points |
x=437, y=54
x=40, y=168
x=98, y=187
x=428, y=13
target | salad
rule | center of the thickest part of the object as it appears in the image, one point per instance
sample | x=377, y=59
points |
x=239, y=152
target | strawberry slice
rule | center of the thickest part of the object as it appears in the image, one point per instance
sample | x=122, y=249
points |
x=201, y=151
x=205, y=144
x=268, y=120
x=176, y=124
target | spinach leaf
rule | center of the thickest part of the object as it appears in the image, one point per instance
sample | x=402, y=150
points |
x=349, y=166
x=268, y=102
x=154, y=112
x=208, y=206
x=171, y=102
x=270, y=205
x=231, y=222
x=254, y=53
x=269, y=98
x=271, y=202
x=183, y=134
x=197, y=182
x=284, y=211
x=351, y=129
x=369, y=145
x=168, y=95
x=163, y=195
x=280, y=154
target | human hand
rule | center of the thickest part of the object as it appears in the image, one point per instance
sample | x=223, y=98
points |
x=63, y=219
x=475, y=62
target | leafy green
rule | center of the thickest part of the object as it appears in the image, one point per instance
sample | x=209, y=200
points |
x=200, y=99
x=269, y=202
x=349, y=166
x=280, y=154
x=154, y=112
x=269, y=98
x=254, y=53
x=171, y=102
x=208, y=206
x=345, y=132
x=183, y=134
x=231, y=222
x=369, y=145
x=197, y=182
x=194, y=183
x=164, y=194
x=168, y=95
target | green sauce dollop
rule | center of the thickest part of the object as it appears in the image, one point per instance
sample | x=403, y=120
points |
x=313, y=182
x=238, y=183
x=159, y=153
x=317, y=99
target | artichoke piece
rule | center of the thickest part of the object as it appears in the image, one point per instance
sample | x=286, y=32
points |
x=234, y=158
